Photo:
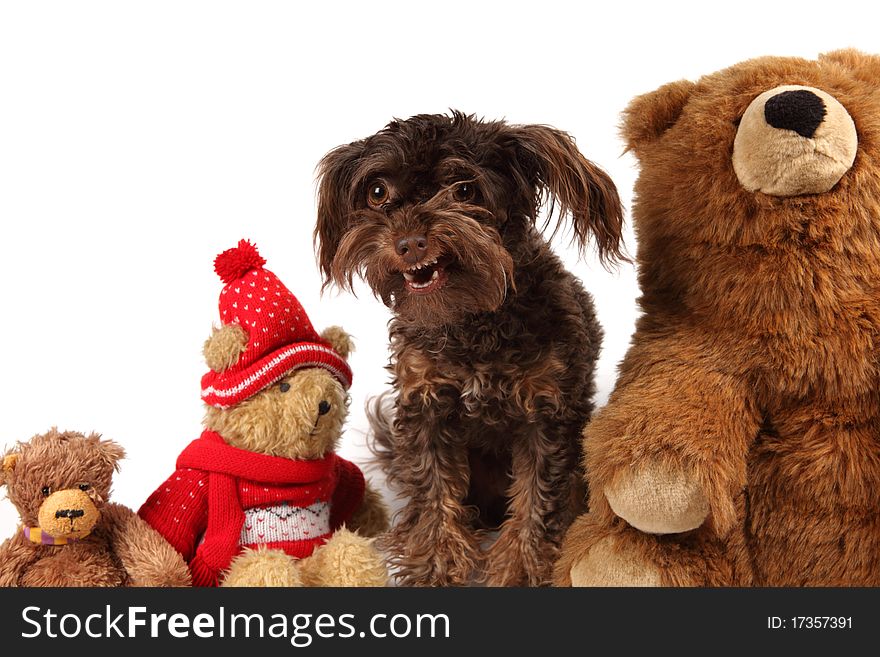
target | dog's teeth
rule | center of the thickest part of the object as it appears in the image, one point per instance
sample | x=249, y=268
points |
x=435, y=275
x=408, y=276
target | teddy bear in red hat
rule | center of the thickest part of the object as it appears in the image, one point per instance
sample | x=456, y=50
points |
x=261, y=498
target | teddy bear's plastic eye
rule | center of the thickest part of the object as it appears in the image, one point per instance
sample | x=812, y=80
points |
x=285, y=386
x=84, y=487
x=45, y=490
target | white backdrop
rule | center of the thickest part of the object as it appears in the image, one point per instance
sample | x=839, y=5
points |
x=139, y=139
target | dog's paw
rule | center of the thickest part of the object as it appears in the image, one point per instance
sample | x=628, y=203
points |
x=449, y=558
x=514, y=562
x=613, y=563
x=657, y=499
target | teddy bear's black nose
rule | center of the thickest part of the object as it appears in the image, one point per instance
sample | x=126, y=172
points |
x=70, y=513
x=799, y=110
x=323, y=407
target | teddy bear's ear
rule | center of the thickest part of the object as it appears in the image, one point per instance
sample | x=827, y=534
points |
x=8, y=465
x=225, y=345
x=111, y=452
x=339, y=340
x=650, y=115
x=854, y=60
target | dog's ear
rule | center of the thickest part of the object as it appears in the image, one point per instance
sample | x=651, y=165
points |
x=576, y=187
x=335, y=202
x=650, y=115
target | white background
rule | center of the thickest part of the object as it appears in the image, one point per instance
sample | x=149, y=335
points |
x=139, y=139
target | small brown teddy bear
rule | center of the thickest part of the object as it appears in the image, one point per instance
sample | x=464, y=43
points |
x=741, y=445
x=71, y=535
x=261, y=498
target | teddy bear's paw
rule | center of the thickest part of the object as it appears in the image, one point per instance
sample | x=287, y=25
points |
x=658, y=499
x=262, y=567
x=162, y=573
x=613, y=563
x=371, y=519
x=347, y=559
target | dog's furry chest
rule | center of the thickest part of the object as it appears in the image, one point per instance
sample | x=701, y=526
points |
x=492, y=391
x=500, y=380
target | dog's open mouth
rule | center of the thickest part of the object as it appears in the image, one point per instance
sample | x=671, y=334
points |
x=426, y=277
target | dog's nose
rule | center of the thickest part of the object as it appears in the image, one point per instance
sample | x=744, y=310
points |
x=412, y=248
x=70, y=513
x=800, y=110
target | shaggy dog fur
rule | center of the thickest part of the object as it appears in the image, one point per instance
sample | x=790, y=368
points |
x=56, y=474
x=741, y=441
x=493, y=341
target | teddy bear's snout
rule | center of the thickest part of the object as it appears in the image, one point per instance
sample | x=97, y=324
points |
x=794, y=140
x=68, y=513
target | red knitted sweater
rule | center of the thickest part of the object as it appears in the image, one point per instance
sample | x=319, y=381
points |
x=222, y=499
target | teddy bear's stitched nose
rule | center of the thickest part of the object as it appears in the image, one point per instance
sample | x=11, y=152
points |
x=323, y=407
x=800, y=110
x=70, y=513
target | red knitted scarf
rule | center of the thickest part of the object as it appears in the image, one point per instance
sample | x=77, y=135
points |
x=224, y=465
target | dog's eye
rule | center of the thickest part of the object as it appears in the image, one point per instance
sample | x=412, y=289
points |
x=377, y=195
x=464, y=192
x=84, y=487
x=46, y=491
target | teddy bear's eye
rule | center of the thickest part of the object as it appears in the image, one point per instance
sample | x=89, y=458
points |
x=84, y=487
x=45, y=490
x=285, y=386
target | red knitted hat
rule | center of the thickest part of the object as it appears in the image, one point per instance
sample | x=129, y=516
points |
x=280, y=336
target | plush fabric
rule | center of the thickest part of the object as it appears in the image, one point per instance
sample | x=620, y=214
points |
x=71, y=535
x=753, y=380
x=201, y=508
x=271, y=333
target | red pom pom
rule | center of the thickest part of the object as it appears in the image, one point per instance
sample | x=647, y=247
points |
x=232, y=264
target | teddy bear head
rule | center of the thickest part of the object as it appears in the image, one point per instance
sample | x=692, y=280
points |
x=300, y=416
x=274, y=386
x=768, y=151
x=59, y=481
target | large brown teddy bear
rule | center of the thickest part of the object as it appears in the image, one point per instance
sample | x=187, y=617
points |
x=71, y=535
x=261, y=498
x=741, y=445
